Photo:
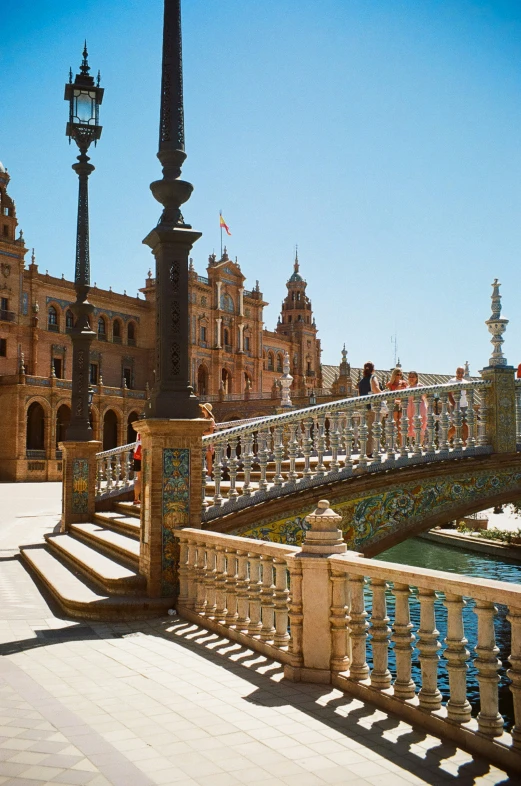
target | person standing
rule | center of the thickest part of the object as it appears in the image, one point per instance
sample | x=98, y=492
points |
x=397, y=382
x=411, y=407
x=137, y=470
x=367, y=386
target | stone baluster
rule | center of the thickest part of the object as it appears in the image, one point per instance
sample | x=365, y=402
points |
x=220, y=584
x=217, y=474
x=281, y=594
x=358, y=625
x=231, y=587
x=487, y=664
x=254, y=595
x=130, y=465
x=338, y=621
x=514, y=673
x=364, y=432
x=391, y=434
x=471, y=419
x=295, y=612
x=334, y=440
x=483, y=437
x=320, y=442
x=263, y=458
x=247, y=458
x=183, y=573
x=209, y=581
x=428, y=646
x=404, y=687
x=232, y=467
x=117, y=470
x=307, y=444
x=190, y=575
x=124, y=468
x=417, y=449
x=380, y=633
x=293, y=446
x=444, y=422
x=108, y=473
x=267, y=604
x=200, y=575
x=99, y=475
x=457, y=442
x=204, y=501
x=355, y=421
x=377, y=434
x=279, y=455
x=456, y=655
x=404, y=426
x=429, y=431
x=348, y=439
x=242, y=587
x=518, y=414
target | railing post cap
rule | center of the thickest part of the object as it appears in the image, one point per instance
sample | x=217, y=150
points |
x=322, y=514
x=324, y=537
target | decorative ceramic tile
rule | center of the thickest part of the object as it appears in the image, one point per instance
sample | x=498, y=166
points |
x=25, y=303
x=176, y=509
x=372, y=516
x=80, y=485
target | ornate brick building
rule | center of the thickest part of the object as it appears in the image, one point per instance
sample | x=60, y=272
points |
x=234, y=361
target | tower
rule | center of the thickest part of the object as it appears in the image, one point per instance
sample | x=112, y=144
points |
x=297, y=322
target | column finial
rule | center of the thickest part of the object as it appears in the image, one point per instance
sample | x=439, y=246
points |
x=496, y=326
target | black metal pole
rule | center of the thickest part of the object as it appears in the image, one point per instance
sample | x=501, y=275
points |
x=82, y=334
x=172, y=239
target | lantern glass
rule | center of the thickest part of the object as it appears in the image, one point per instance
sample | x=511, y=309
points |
x=84, y=107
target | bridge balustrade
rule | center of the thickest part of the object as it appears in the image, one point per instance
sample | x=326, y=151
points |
x=281, y=454
x=251, y=591
x=517, y=385
x=114, y=470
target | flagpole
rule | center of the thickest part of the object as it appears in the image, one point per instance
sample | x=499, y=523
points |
x=221, y=227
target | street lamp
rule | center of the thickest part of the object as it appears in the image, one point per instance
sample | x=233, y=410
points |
x=90, y=396
x=84, y=97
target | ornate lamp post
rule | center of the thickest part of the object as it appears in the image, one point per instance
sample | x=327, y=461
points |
x=84, y=99
x=172, y=239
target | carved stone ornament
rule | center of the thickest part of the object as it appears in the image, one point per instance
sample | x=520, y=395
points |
x=6, y=269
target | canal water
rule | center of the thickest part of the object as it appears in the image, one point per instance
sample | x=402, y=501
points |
x=421, y=553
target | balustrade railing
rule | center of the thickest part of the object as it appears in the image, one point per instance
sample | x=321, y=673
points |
x=518, y=412
x=278, y=454
x=240, y=587
x=385, y=622
x=114, y=470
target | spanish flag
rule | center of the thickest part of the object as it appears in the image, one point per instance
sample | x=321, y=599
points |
x=223, y=224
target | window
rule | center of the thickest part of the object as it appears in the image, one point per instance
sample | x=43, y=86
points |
x=203, y=336
x=102, y=329
x=93, y=374
x=227, y=303
x=127, y=376
x=131, y=334
x=69, y=320
x=279, y=363
x=203, y=301
x=52, y=320
x=6, y=230
x=57, y=366
x=3, y=347
x=116, y=332
x=270, y=361
x=289, y=317
x=246, y=343
x=4, y=304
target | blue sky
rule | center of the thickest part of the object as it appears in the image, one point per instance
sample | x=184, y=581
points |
x=382, y=136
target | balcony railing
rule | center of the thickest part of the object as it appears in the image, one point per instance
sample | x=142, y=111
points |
x=102, y=336
x=35, y=454
x=116, y=340
x=202, y=280
x=53, y=328
x=7, y=316
x=228, y=348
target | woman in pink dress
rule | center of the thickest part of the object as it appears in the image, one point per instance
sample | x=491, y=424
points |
x=411, y=407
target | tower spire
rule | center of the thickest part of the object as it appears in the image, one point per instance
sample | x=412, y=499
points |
x=296, y=266
x=85, y=68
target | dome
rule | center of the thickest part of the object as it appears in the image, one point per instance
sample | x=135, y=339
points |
x=295, y=277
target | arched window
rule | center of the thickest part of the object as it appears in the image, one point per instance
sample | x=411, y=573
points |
x=131, y=434
x=202, y=380
x=270, y=361
x=131, y=334
x=63, y=417
x=35, y=427
x=116, y=331
x=102, y=329
x=279, y=363
x=110, y=430
x=227, y=303
x=52, y=320
x=69, y=320
x=226, y=381
x=226, y=339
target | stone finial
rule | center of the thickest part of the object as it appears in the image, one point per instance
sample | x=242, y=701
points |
x=22, y=363
x=467, y=370
x=496, y=326
x=324, y=537
x=285, y=382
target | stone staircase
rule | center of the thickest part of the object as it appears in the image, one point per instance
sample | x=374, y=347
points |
x=93, y=571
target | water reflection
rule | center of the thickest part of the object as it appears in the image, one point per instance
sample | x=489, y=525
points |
x=420, y=553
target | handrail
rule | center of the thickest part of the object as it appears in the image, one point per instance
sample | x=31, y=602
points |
x=113, y=451
x=298, y=415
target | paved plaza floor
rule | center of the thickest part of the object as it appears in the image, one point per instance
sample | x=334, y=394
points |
x=166, y=702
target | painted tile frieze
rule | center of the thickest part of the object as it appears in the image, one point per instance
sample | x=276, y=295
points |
x=80, y=485
x=176, y=509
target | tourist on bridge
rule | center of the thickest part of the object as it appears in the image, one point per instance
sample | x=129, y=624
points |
x=463, y=405
x=412, y=379
x=367, y=385
x=136, y=457
x=397, y=382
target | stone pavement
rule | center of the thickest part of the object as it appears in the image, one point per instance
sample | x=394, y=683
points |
x=166, y=702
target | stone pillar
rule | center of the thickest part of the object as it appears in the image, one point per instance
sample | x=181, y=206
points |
x=500, y=408
x=241, y=301
x=241, y=338
x=317, y=652
x=171, y=496
x=79, y=481
x=218, y=321
x=218, y=284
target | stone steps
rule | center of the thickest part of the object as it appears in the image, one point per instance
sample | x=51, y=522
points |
x=127, y=509
x=108, y=542
x=79, y=599
x=123, y=523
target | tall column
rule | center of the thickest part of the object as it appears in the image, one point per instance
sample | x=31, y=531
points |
x=218, y=321
x=218, y=285
x=241, y=338
x=241, y=301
